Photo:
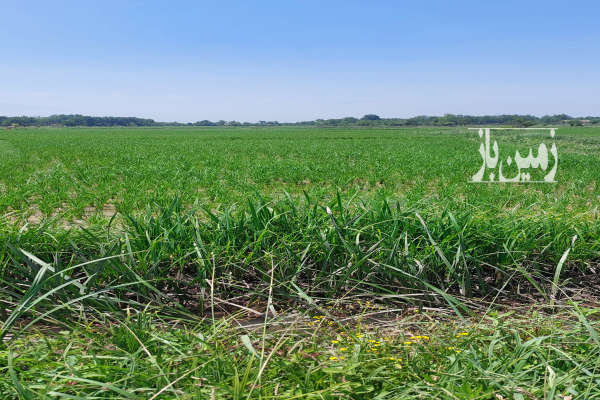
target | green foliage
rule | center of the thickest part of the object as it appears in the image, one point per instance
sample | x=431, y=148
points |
x=74, y=174
x=366, y=120
x=350, y=248
x=193, y=201
x=370, y=117
x=75, y=120
x=132, y=335
x=532, y=355
x=141, y=254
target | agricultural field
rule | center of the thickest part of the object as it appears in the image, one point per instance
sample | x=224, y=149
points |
x=286, y=262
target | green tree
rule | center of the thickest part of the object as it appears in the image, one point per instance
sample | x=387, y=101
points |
x=370, y=117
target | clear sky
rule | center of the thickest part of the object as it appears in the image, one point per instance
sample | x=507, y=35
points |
x=292, y=60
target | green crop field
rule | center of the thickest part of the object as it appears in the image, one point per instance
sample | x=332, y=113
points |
x=288, y=262
x=65, y=171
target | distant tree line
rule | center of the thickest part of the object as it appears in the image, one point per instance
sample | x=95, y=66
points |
x=75, y=120
x=366, y=120
x=457, y=120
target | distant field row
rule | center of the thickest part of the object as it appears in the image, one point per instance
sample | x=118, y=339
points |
x=79, y=173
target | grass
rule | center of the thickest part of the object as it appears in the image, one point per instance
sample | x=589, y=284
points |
x=419, y=356
x=133, y=261
x=75, y=173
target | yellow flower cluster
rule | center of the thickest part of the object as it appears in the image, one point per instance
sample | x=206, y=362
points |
x=397, y=361
x=367, y=305
x=373, y=346
x=318, y=319
x=416, y=339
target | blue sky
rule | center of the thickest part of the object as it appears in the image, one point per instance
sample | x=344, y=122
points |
x=298, y=60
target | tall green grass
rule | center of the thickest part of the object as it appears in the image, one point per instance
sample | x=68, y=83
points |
x=168, y=254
